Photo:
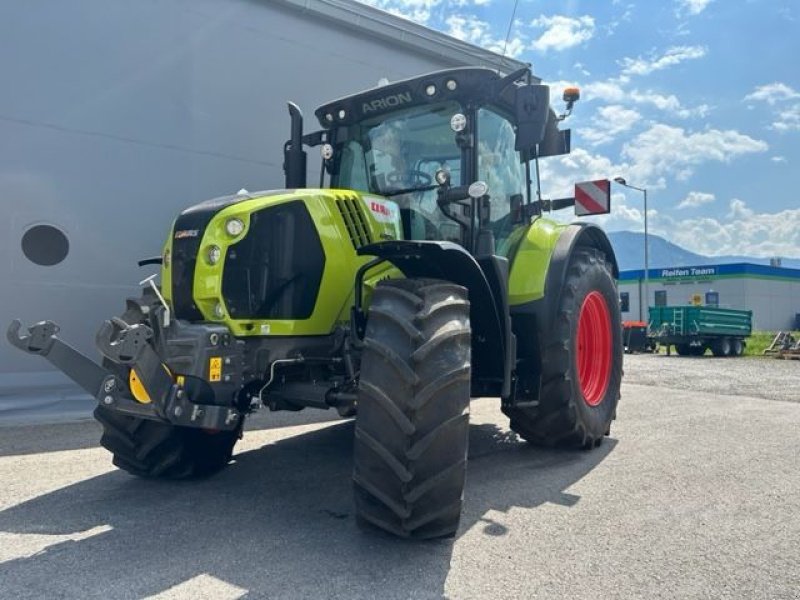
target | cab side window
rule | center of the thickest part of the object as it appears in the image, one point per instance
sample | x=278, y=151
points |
x=500, y=167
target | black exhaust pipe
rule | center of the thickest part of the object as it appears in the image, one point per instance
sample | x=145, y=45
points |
x=294, y=157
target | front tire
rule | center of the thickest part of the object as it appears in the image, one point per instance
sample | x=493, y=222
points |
x=152, y=449
x=412, y=423
x=581, y=361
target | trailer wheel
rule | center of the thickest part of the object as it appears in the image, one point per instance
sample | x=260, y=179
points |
x=412, y=423
x=738, y=347
x=152, y=449
x=722, y=347
x=683, y=349
x=581, y=361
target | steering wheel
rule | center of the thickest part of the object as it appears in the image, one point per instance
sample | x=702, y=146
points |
x=411, y=177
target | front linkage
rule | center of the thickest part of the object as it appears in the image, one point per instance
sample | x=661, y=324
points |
x=129, y=347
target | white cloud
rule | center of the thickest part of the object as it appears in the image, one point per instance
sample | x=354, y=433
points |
x=772, y=93
x=581, y=68
x=787, y=119
x=778, y=159
x=783, y=101
x=693, y=7
x=671, y=57
x=669, y=104
x=664, y=150
x=413, y=10
x=650, y=159
x=473, y=30
x=559, y=175
x=700, y=111
x=695, y=199
x=608, y=91
x=611, y=91
x=608, y=123
x=562, y=32
x=739, y=210
x=742, y=231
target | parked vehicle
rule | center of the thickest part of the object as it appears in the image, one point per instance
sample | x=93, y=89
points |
x=695, y=329
x=396, y=293
x=635, y=338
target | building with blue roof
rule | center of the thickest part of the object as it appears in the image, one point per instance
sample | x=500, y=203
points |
x=771, y=292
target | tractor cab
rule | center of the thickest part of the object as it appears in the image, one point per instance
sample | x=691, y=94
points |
x=452, y=149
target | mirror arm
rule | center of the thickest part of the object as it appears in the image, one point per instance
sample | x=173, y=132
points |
x=558, y=203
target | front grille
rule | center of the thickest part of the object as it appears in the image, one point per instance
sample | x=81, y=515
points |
x=352, y=211
x=275, y=271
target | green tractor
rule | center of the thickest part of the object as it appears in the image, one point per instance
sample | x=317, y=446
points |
x=421, y=273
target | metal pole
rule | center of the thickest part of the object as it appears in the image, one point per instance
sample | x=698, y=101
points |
x=646, y=265
x=643, y=310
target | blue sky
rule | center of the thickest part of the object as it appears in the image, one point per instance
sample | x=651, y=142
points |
x=696, y=100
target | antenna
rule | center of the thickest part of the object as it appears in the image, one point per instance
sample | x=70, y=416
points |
x=510, y=25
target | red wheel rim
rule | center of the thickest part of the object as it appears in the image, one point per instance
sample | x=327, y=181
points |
x=594, y=348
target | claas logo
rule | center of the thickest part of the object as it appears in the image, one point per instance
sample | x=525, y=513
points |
x=380, y=209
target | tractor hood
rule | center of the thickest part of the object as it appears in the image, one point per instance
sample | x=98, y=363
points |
x=257, y=261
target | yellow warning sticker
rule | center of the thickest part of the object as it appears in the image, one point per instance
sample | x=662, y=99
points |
x=215, y=368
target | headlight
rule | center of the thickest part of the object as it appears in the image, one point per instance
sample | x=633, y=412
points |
x=213, y=254
x=219, y=310
x=234, y=226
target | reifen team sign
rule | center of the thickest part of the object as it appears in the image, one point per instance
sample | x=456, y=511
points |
x=593, y=197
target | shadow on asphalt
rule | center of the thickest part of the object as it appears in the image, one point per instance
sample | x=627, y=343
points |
x=278, y=522
x=18, y=440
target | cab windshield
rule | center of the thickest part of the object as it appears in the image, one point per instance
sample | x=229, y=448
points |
x=397, y=156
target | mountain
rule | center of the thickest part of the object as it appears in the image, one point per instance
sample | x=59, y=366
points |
x=629, y=248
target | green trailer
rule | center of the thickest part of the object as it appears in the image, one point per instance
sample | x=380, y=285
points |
x=695, y=329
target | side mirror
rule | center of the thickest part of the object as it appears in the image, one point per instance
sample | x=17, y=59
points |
x=477, y=189
x=593, y=197
x=532, y=107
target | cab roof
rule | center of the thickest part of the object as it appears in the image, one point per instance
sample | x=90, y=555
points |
x=476, y=85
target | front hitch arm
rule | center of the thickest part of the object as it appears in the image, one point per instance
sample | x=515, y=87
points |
x=42, y=340
x=127, y=345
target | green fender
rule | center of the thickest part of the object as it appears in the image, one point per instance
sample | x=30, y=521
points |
x=540, y=260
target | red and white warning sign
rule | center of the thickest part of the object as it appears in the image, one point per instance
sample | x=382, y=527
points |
x=593, y=197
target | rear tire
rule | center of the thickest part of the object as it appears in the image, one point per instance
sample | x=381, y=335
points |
x=571, y=412
x=683, y=349
x=412, y=423
x=152, y=449
x=738, y=347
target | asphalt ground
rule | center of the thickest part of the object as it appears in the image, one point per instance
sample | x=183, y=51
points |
x=695, y=495
x=760, y=377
